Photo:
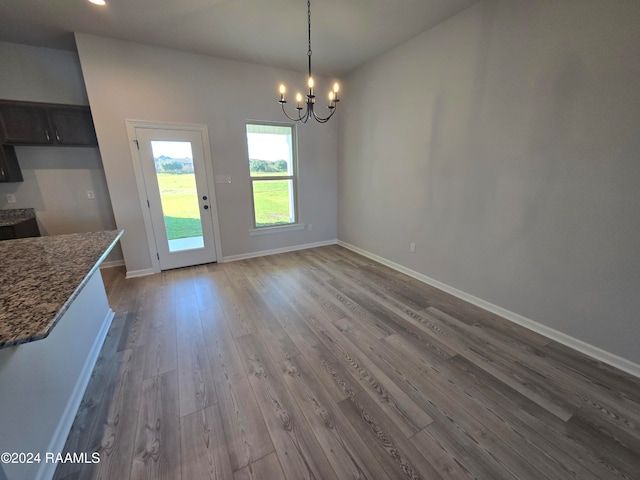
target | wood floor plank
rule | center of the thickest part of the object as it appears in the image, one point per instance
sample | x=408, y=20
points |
x=404, y=412
x=621, y=413
x=157, y=451
x=240, y=321
x=158, y=317
x=223, y=354
x=115, y=439
x=488, y=432
x=572, y=448
x=289, y=430
x=161, y=354
x=449, y=303
x=446, y=463
x=345, y=450
x=404, y=325
x=464, y=450
x=492, y=362
x=197, y=388
x=265, y=468
x=208, y=283
x=245, y=431
x=396, y=454
x=204, y=449
x=290, y=312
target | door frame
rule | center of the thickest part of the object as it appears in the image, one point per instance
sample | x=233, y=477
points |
x=142, y=191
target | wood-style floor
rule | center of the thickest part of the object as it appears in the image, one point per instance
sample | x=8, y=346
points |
x=322, y=364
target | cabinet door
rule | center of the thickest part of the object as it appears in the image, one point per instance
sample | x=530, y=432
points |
x=73, y=126
x=7, y=233
x=24, y=125
x=9, y=168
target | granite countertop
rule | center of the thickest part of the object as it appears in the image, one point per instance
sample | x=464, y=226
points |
x=41, y=276
x=14, y=216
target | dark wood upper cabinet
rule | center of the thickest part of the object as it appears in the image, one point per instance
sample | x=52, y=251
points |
x=45, y=124
x=73, y=126
x=27, y=123
x=24, y=125
x=9, y=168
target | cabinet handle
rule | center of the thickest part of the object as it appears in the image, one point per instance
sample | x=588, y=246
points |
x=46, y=132
x=2, y=174
x=57, y=136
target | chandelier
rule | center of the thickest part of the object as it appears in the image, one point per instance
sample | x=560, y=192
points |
x=310, y=99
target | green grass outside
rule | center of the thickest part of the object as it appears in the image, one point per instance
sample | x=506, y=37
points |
x=271, y=202
x=182, y=210
x=180, y=205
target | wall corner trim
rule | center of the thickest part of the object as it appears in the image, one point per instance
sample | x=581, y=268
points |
x=567, y=340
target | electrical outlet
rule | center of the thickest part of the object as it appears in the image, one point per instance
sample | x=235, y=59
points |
x=11, y=198
x=412, y=247
x=91, y=194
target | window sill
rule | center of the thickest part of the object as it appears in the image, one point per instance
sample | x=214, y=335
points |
x=277, y=229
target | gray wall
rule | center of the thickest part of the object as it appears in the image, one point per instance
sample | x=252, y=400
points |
x=127, y=80
x=505, y=143
x=56, y=179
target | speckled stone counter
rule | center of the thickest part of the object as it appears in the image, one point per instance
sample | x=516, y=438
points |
x=40, y=277
x=14, y=216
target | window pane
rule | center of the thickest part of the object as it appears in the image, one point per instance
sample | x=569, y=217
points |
x=273, y=202
x=178, y=194
x=270, y=150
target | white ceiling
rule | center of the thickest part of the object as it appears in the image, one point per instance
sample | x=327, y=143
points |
x=345, y=33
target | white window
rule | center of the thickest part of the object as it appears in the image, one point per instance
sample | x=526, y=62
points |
x=273, y=171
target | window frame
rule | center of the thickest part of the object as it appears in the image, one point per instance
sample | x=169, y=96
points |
x=295, y=224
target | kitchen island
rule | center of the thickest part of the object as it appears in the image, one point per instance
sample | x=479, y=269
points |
x=54, y=317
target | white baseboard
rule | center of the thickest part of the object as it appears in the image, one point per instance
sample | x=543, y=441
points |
x=567, y=340
x=112, y=264
x=139, y=273
x=262, y=253
x=61, y=433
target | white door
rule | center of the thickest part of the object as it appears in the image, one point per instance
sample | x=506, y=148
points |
x=175, y=180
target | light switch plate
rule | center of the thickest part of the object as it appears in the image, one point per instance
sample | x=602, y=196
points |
x=11, y=198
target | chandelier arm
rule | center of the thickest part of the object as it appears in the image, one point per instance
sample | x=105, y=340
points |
x=301, y=118
x=324, y=119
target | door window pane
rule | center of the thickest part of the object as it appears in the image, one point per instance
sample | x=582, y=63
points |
x=178, y=195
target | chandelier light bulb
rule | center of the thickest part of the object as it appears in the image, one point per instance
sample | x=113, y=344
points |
x=282, y=90
x=331, y=95
x=299, y=98
x=311, y=82
x=336, y=87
